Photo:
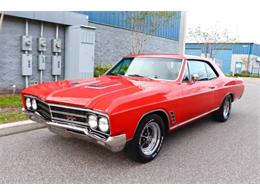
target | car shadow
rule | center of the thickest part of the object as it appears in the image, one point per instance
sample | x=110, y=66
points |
x=93, y=153
x=190, y=128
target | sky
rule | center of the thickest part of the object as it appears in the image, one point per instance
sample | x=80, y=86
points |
x=242, y=24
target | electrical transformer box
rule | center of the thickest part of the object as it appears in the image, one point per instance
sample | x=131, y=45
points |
x=56, y=65
x=26, y=42
x=56, y=45
x=42, y=44
x=26, y=64
x=79, y=52
x=41, y=62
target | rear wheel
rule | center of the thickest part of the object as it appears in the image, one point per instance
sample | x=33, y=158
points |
x=148, y=139
x=223, y=113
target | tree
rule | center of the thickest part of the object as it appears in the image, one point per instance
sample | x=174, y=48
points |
x=211, y=39
x=247, y=61
x=145, y=23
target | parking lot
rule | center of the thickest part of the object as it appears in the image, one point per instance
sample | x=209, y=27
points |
x=203, y=152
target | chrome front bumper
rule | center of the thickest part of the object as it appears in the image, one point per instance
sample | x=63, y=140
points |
x=113, y=143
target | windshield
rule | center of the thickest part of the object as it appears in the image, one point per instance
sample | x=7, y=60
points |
x=155, y=68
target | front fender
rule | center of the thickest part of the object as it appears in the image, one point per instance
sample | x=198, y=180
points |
x=126, y=122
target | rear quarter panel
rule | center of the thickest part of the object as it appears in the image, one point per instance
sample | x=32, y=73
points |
x=225, y=86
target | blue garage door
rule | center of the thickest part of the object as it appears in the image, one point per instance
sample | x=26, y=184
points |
x=194, y=52
x=223, y=57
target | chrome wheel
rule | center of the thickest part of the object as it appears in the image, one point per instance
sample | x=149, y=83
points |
x=226, y=108
x=150, y=138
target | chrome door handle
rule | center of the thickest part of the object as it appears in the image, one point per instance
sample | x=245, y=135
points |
x=211, y=87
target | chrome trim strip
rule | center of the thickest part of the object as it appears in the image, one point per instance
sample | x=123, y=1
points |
x=50, y=110
x=68, y=113
x=68, y=127
x=70, y=122
x=78, y=108
x=194, y=118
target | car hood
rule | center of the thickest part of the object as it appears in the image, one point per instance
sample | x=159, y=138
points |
x=106, y=93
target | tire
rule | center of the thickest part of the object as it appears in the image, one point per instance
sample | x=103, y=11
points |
x=223, y=113
x=147, y=140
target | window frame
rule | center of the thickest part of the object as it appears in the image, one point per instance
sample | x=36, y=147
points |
x=188, y=68
x=205, y=63
x=212, y=68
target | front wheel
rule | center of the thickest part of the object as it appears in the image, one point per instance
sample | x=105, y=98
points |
x=148, y=139
x=223, y=113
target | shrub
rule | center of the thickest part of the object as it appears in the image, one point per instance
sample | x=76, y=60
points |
x=245, y=75
x=100, y=69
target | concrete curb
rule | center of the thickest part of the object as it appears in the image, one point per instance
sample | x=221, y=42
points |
x=19, y=127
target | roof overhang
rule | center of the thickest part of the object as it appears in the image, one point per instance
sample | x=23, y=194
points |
x=59, y=17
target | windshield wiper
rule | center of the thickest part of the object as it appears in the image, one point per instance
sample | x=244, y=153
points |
x=114, y=74
x=135, y=75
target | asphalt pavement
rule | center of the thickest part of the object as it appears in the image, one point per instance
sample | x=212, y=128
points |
x=203, y=152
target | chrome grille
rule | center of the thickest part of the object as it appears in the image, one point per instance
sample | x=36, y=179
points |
x=57, y=108
x=69, y=115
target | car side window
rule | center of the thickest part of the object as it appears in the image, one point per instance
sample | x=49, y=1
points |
x=211, y=73
x=198, y=67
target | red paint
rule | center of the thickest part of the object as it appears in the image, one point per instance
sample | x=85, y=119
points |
x=127, y=99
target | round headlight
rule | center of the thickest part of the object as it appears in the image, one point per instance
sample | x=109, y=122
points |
x=103, y=124
x=28, y=103
x=34, y=104
x=92, y=121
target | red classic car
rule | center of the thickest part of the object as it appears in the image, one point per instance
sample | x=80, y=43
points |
x=134, y=104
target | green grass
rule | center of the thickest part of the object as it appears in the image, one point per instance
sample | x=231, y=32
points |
x=10, y=101
x=10, y=109
x=12, y=117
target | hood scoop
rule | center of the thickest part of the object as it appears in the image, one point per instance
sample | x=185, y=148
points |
x=75, y=84
x=101, y=85
x=95, y=86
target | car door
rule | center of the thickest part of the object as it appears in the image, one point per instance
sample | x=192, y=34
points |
x=197, y=96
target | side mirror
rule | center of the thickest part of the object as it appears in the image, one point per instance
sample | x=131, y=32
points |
x=194, y=77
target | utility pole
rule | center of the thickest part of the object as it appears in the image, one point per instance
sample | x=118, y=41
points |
x=182, y=33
